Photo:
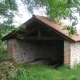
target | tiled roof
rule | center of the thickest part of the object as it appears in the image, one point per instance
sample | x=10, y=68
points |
x=51, y=24
x=58, y=27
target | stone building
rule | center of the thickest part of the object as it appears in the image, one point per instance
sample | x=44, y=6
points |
x=42, y=39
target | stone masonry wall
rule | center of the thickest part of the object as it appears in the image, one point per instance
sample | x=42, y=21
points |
x=24, y=52
x=9, y=47
x=75, y=53
x=28, y=51
x=71, y=53
x=66, y=52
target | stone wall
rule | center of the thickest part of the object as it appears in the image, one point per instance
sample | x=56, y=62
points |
x=75, y=53
x=67, y=52
x=24, y=52
x=71, y=53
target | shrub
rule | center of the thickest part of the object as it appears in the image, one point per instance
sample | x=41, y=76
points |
x=21, y=75
x=3, y=53
x=7, y=70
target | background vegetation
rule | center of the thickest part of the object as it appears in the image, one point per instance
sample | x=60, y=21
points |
x=55, y=9
x=10, y=71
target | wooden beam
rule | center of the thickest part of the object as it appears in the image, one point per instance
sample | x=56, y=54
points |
x=43, y=38
x=39, y=33
x=62, y=35
x=30, y=31
x=49, y=31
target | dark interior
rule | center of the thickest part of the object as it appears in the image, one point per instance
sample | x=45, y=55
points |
x=49, y=51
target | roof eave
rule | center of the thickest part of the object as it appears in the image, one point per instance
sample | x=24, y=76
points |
x=67, y=38
x=39, y=21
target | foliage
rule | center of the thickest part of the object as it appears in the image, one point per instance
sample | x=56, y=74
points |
x=3, y=53
x=20, y=36
x=5, y=29
x=20, y=28
x=56, y=9
x=7, y=70
x=71, y=30
x=22, y=75
x=8, y=8
x=42, y=72
x=10, y=71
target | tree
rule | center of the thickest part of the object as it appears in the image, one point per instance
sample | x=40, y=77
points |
x=8, y=9
x=57, y=9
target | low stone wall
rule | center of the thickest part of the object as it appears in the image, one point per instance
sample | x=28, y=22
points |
x=24, y=52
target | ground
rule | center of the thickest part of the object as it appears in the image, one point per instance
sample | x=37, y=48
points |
x=11, y=71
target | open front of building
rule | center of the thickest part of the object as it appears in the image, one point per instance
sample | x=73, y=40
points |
x=38, y=44
x=45, y=40
x=30, y=51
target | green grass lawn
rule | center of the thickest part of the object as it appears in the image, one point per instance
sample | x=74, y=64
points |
x=36, y=72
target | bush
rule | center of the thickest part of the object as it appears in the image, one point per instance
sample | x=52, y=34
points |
x=22, y=75
x=3, y=53
x=8, y=70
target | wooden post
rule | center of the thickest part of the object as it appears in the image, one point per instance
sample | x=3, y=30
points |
x=39, y=33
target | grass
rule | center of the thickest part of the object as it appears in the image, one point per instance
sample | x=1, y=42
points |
x=37, y=72
x=43, y=72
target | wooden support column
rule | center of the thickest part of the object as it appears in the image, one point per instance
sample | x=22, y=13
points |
x=39, y=33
